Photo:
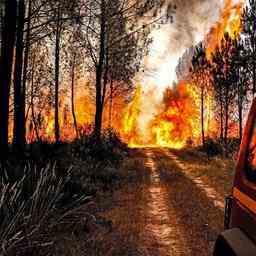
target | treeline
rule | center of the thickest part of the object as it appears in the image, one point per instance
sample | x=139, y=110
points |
x=46, y=45
x=229, y=75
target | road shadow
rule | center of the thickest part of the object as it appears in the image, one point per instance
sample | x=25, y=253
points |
x=198, y=216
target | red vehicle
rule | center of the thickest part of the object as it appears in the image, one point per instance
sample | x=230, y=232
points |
x=239, y=237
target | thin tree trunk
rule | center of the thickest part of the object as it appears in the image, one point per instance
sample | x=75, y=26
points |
x=253, y=77
x=73, y=95
x=110, y=104
x=57, y=70
x=240, y=122
x=202, y=115
x=240, y=110
x=32, y=100
x=25, y=65
x=226, y=117
x=99, y=74
x=6, y=63
x=221, y=121
x=19, y=110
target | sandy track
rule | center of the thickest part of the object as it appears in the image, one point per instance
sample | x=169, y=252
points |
x=162, y=210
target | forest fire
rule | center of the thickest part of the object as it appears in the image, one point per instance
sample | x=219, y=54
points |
x=177, y=125
x=174, y=116
x=176, y=122
x=40, y=126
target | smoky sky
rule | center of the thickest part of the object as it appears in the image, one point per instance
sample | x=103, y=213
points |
x=191, y=22
x=193, y=19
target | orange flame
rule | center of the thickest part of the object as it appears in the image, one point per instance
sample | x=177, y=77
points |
x=178, y=123
x=230, y=22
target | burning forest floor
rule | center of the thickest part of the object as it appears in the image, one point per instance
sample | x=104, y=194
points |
x=172, y=203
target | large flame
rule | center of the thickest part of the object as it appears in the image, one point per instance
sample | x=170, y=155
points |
x=177, y=125
x=43, y=120
x=230, y=22
x=176, y=122
x=161, y=114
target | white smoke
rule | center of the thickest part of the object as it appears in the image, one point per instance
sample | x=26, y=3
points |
x=192, y=21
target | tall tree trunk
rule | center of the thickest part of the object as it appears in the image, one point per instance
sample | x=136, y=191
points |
x=226, y=116
x=57, y=71
x=73, y=94
x=32, y=100
x=253, y=76
x=110, y=105
x=99, y=74
x=221, y=121
x=34, y=119
x=240, y=108
x=19, y=94
x=25, y=65
x=6, y=63
x=202, y=115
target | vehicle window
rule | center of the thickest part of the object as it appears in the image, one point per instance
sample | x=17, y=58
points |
x=251, y=170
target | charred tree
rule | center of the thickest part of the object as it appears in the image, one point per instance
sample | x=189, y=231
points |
x=73, y=93
x=99, y=74
x=110, y=105
x=57, y=75
x=19, y=90
x=6, y=63
x=225, y=73
x=200, y=75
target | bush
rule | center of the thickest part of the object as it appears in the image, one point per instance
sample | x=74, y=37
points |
x=212, y=148
x=232, y=145
x=109, y=148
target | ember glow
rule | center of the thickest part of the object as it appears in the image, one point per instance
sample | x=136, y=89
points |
x=166, y=112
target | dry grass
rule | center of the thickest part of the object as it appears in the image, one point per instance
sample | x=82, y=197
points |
x=218, y=171
x=33, y=211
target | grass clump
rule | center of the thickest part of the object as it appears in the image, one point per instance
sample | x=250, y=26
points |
x=34, y=209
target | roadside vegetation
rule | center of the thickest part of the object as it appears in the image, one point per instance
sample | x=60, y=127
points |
x=49, y=192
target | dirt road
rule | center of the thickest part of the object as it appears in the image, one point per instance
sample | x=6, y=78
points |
x=165, y=209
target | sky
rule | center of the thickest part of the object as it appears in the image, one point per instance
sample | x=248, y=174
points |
x=192, y=21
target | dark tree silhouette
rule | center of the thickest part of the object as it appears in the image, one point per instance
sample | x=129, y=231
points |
x=249, y=33
x=225, y=76
x=19, y=90
x=201, y=77
x=6, y=62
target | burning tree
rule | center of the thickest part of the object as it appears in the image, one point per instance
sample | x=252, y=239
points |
x=225, y=76
x=114, y=30
x=201, y=78
x=242, y=78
